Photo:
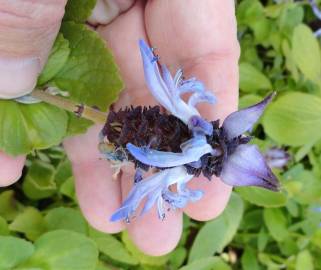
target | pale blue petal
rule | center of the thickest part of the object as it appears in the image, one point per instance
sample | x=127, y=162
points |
x=193, y=150
x=153, y=77
x=247, y=167
x=156, y=190
x=241, y=121
x=178, y=77
x=138, y=193
x=191, y=86
x=199, y=97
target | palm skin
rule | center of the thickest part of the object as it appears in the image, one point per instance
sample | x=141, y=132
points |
x=198, y=36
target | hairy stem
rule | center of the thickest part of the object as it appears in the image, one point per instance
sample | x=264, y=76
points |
x=84, y=111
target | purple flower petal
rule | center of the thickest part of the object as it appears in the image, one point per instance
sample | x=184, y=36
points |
x=241, y=121
x=198, y=125
x=276, y=157
x=192, y=150
x=247, y=167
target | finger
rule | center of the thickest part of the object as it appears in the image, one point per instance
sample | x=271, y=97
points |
x=11, y=169
x=97, y=192
x=210, y=53
x=150, y=234
x=27, y=32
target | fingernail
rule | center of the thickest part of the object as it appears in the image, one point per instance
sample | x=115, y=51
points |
x=18, y=76
x=104, y=12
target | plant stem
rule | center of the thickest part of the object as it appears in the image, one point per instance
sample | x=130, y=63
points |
x=84, y=111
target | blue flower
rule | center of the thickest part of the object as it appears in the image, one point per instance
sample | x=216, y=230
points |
x=168, y=90
x=242, y=164
x=156, y=189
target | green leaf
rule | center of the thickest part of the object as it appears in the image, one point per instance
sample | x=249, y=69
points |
x=262, y=197
x=177, y=257
x=290, y=17
x=24, y=128
x=142, y=257
x=304, y=261
x=90, y=78
x=249, y=12
x=63, y=250
x=210, y=263
x=252, y=79
x=276, y=223
x=68, y=188
x=39, y=181
x=77, y=125
x=9, y=208
x=249, y=259
x=79, y=10
x=216, y=234
x=14, y=251
x=112, y=248
x=294, y=119
x=57, y=59
x=306, y=52
x=66, y=219
x=4, y=229
x=30, y=222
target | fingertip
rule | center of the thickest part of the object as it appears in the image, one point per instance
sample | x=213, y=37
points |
x=11, y=169
x=212, y=204
x=98, y=195
x=156, y=237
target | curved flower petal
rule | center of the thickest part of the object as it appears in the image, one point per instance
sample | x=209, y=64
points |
x=198, y=125
x=192, y=149
x=153, y=78
x=241, y=121
x=277, y=157
x=247, y=167
x=156, y=189
x=167, y=90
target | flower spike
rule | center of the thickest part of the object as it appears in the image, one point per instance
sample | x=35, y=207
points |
x=181, y=144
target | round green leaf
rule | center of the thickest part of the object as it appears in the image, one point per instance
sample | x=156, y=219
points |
x=252, y=79
x=306, y=52
x=66, y=219
x=24, y=128
x=39, y=181
x=14, y=251
x=90, y=74
x=63, y=250
x=262, y=197
x=276, y=223
x=294, y=119
x=30, y=222
x=216, y=234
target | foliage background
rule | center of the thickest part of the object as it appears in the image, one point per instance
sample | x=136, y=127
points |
x=41, y=226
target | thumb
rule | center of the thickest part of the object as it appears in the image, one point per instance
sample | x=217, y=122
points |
x=27, y=32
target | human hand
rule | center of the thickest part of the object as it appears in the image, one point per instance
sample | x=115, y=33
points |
x=198, y=36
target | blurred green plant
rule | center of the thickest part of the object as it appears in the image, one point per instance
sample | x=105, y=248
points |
x=41, y=226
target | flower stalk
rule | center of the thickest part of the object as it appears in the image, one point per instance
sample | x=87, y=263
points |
x=79, y=110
